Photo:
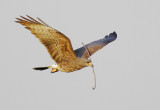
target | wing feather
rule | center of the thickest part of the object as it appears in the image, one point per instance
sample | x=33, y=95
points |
x=57, y=44
x=95, y=46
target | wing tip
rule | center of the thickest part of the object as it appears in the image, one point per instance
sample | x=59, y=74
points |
x=111, y=37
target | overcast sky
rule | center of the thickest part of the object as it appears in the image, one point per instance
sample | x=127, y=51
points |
x=128, y=73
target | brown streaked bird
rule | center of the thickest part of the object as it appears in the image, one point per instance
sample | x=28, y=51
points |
x=59, y=46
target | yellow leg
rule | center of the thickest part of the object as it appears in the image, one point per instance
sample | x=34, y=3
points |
x=54, y=70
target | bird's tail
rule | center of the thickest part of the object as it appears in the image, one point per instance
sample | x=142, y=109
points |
x=53, y=67
x=41, y=68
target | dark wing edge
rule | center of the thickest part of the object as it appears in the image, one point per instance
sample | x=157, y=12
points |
x=95, y=46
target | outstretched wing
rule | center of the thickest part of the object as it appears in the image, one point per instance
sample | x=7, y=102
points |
x=57, y=44
x=95, y=46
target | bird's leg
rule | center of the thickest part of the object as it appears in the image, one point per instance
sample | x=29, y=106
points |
x=54, y=68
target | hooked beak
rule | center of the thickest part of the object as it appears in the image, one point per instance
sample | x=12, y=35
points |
x=90, y=64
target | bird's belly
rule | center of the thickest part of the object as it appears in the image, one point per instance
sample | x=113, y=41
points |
x=66, y=69
x=69, y=67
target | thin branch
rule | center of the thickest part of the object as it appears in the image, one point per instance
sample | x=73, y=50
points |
x=91, y=66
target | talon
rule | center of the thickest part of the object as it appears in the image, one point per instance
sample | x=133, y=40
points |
x=54, y=70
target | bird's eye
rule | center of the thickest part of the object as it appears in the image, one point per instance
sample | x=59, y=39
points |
x=88, y=61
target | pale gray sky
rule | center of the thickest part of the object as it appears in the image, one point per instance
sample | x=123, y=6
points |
x=128, y=73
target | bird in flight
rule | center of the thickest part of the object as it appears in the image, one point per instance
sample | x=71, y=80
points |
x=60, y=48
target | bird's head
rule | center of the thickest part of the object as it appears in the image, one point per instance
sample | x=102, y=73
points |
x=89, y=63
x=86, y=62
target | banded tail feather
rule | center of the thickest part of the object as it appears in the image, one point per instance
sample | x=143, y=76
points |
x=53, y=67
x=41, y=68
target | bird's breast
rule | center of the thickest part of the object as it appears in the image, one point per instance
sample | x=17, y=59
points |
x=70, y=66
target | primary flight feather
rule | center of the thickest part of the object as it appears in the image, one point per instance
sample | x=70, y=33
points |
x=57, y=44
